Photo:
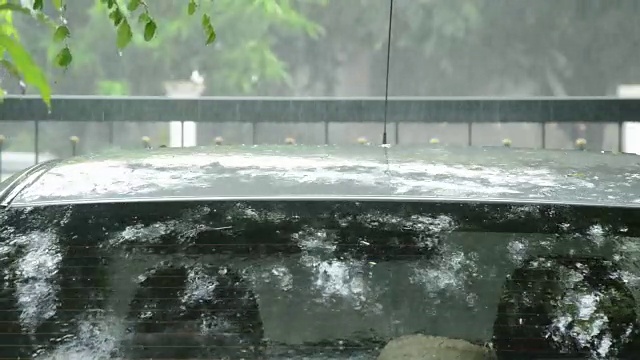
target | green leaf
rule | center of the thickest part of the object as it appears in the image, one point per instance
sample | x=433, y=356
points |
x=116, y=16
x=193, y=6
x=133, y=5
x=9, y=29
x=24, y=64
x=124, y=35
x=206, y=21
x=64, y=57
x=144, y=18
x=14, y=8
x=38, y=4
x=211, y=36
x=58, y=4
x=61, y=33
x=150, y=30
x=209, y=31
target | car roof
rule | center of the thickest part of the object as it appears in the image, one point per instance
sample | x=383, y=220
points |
x=294, y=171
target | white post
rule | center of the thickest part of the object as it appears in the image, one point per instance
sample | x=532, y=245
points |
x=631, y=130
x=184, y=133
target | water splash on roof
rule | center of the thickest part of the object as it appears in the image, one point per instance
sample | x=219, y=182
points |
x=317, y=171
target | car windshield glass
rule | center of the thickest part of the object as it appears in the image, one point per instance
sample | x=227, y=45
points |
x=319, y=280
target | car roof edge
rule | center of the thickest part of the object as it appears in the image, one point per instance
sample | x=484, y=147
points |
x=24, y=180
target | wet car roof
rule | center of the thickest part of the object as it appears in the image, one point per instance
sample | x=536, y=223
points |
x=328, y=171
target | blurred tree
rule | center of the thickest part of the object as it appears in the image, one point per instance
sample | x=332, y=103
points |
x=163, y=39
x=14, y=59
x=123, y=16
x=476, y=47
x=163, y=43
x=472, y=48
x=240, y=62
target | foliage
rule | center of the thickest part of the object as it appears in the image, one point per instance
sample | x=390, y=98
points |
x=18, y=62
x=243, y=62
x=440, y=47
x=15, y=59
x=113, y=88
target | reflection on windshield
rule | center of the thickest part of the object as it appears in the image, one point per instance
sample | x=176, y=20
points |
x=317, y=281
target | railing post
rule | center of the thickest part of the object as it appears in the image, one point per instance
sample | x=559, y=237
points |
x=146, y=142
x=192, y=88
x=2, y=139
x=628, y=91
x=36, y=141
x=620, y=136
x=253, y=132
x=326, y=132
x=111, y=133
x=74, y=145
x=397, y=134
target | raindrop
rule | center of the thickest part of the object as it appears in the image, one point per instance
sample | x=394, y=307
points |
x=119, y=53
x=472, y=299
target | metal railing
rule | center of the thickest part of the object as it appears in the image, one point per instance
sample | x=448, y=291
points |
x=326, y=111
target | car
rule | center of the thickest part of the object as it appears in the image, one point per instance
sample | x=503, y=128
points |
x=322, y=252
x=12, y=161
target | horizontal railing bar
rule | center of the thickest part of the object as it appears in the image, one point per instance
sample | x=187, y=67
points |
x=333, y=110
x=315, y=98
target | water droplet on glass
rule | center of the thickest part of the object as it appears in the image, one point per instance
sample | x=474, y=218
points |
x=254, y=78
x=472, y=299
x=119, y=53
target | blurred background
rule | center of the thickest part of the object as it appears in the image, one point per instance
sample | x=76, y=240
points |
x=336, y=48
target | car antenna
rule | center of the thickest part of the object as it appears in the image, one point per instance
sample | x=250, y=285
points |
x=386, y=84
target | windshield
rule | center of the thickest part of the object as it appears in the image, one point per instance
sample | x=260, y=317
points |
x=318, y=280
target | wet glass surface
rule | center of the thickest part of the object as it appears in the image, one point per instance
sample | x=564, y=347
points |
x=318, y=280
